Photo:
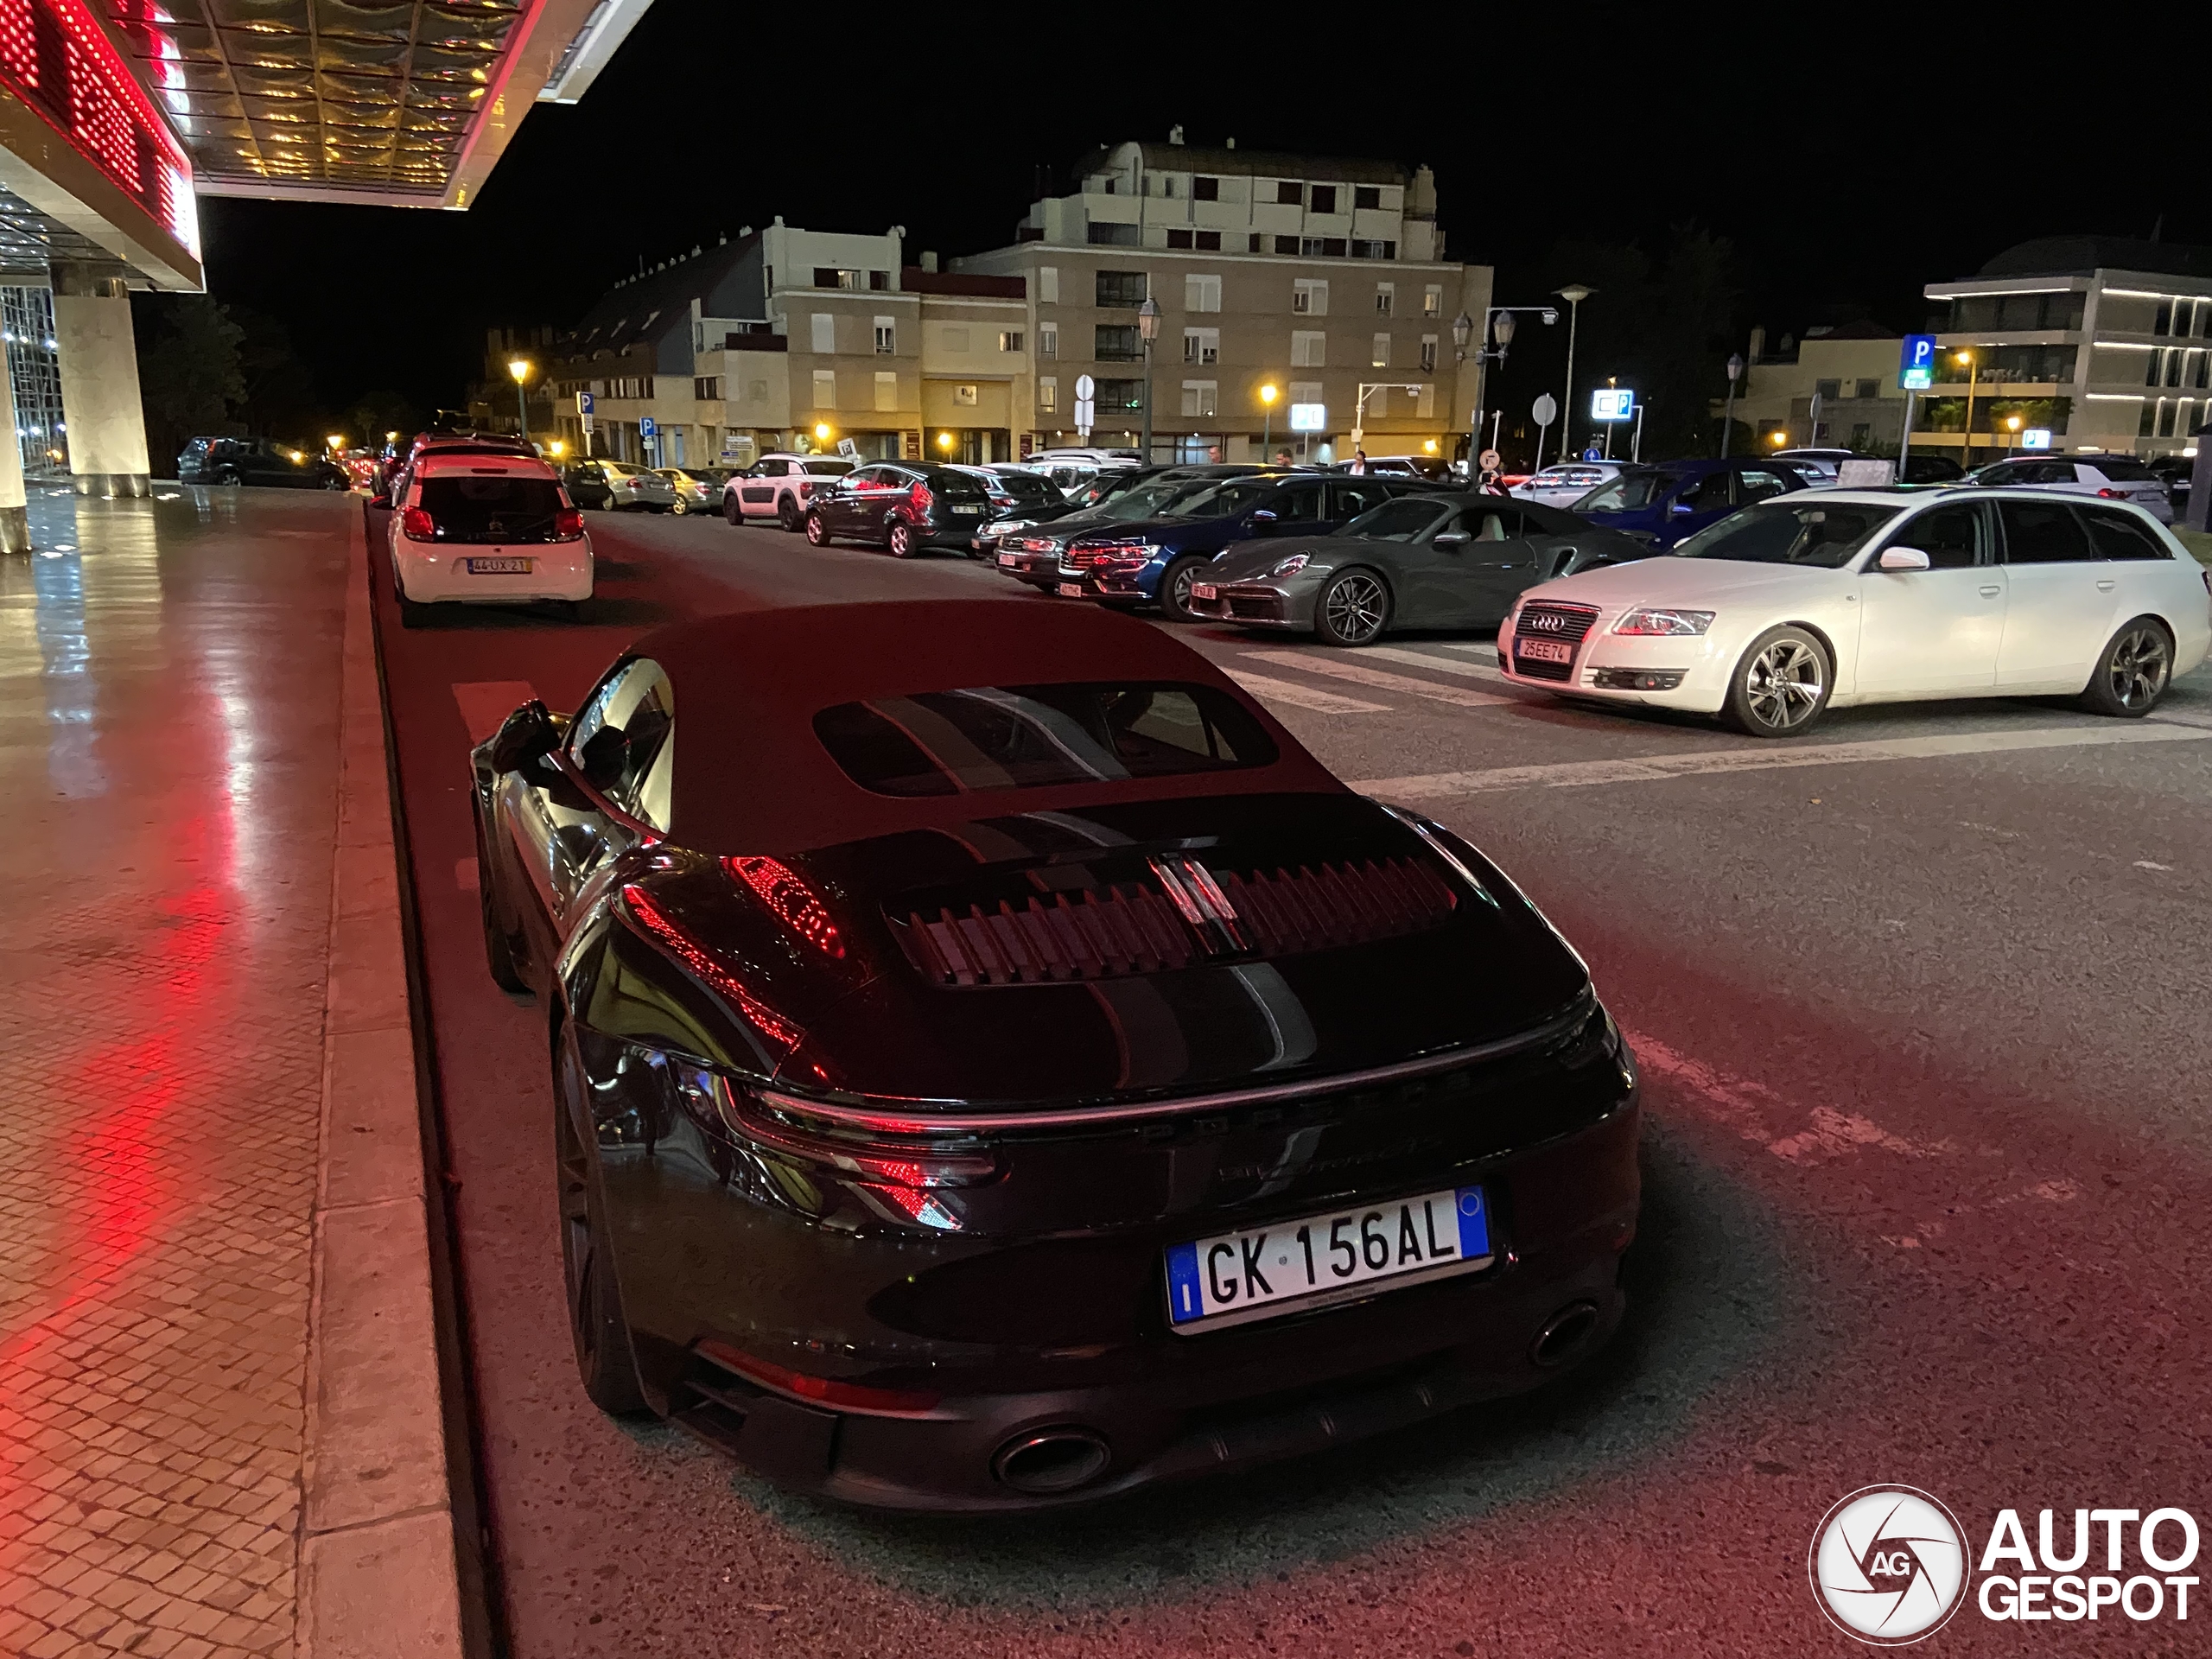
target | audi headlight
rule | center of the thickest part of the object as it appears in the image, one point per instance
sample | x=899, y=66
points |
x=1007, y=526
x=1663, y=619
x=1291, y=566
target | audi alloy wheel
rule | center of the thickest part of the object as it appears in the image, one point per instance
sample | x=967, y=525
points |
x=1781, y=686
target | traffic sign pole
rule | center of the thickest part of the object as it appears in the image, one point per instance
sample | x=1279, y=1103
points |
x=1915, y=374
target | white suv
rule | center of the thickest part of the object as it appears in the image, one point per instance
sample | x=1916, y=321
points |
x=2116, y=478
x=779, y=486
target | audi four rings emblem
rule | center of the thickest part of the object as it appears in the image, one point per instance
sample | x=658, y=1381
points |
x=1545, y=622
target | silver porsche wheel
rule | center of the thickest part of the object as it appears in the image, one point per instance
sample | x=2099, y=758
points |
x=1353, y=608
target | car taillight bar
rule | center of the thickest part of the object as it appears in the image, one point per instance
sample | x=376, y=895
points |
x=819, y=1391
x=416, y=525
x=569, y=524
x=806, y=488
x=664, y=929
x=878, y=1157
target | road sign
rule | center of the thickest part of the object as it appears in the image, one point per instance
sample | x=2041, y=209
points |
x=1309, y=417
x=1613, y=404
x=647, y=427
x=1489, y=460
x=1545, y=410
x=584, y=404
x=1086, y=388
x=1916, y=363
x=2036, y=437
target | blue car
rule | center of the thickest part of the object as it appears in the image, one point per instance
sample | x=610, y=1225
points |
x=1670, y=502
x=1154, y=561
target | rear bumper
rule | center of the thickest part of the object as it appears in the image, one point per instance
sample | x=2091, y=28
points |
x=560, y=571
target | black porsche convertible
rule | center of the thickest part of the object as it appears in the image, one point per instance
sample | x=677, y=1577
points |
x=994, y=1065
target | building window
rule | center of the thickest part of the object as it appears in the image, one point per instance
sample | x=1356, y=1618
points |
x=825, y=332
x=825, y=388
x=1289, y=194
x=1209, y=242
x=1202, y=396
x=2165, y=418
x=886, y=336
x=1206, y=189
x=1009, y=340
x=1432, y=299
x=1380, y=357
x=1309, y=297
x=2162, y=323
x=1202, y=345
x=1386, y=297
x=1305, y=391
x=1116, y=342
x=1178, y=238
x=1366, y=197
x=1201, y=292
x=886, y=390
x=2151, y=374
x=1827, y=390
x=707, y=389
x=1325, y=247
x=1048, y=340
x=1255, y=243
x=1284, y=245
x=1166, y=185
x=1048, y=284
x=880, y=281
x=830, y=276
x=1309, y=350
x=965, y=397
x=2203, y=359
x=1114, y=236
x=2174, y=358
x=1048, y=394
x=1428, y=353
x=1868, y=389
x=1121, y=287
x=1117, y=395
x=1425, y=404
x=1324, y=199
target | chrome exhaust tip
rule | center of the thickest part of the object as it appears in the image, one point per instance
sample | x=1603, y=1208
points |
x=1050, y=1461
x=1565, y=1335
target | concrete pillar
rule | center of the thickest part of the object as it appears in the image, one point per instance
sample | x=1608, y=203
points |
x=99, y=383
x=15, y=522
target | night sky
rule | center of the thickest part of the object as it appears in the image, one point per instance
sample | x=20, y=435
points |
x=1850, y=159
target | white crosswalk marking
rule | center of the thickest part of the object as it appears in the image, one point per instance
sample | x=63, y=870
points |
x=1651, y=768
x=1441, y=664
x=1336, y=668
x=1304, y=696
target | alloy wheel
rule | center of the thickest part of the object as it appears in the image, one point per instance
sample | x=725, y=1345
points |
x=1784, y=684
x=2141, y=665
x=1354, y=607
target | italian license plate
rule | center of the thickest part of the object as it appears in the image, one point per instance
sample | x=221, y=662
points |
x=500, y=567
x=1204, y=590
x=1009, y=559
x=1544, y=650
x=1234, y=1277
x=1070, y=590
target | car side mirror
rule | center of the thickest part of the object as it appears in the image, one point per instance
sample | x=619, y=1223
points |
x=1682, y=507
x=1902, y=558
x=524, y=736
x=1263, y=520
x=384, y=501
x=1451, y=539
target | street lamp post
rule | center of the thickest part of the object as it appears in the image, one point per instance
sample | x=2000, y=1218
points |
x=2012, y=425
x=1268, y=395
x=1574, y=294
x=1497, y=327
x=519, y=367
x=1148, y=330
x=1728, y=421
x=1966, y=438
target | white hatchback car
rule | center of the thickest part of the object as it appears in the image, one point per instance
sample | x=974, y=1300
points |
x=495, y=529
x=1566, y=483
x=2111, y=478
x=1781, y=611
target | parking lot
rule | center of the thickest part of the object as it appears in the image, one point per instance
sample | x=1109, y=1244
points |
x=1918, y=1003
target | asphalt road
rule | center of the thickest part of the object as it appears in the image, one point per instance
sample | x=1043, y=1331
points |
x=1921, y=1015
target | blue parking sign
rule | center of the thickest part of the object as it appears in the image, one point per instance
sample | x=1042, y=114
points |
x=647, y=427
x=1916, y=363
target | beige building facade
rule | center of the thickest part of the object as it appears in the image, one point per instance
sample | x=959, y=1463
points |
x=1851, y=370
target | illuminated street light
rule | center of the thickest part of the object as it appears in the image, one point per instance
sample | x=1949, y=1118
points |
x=821, y=433
x=1148, y=331
x=1269, y=393
x=1966, y=438
x=519, y=367
x=337, y=439
x=945, y=440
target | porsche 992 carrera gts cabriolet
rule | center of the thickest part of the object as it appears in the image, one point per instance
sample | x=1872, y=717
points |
x=995, y=1066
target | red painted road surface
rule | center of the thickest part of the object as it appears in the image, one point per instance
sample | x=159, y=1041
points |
x=1927, y=1079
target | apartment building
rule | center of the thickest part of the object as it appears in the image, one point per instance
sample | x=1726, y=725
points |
x=2104, y=342
x=1325, y=278
x=1850, y=368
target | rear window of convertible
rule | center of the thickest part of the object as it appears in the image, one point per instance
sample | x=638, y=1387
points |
x=994, y=737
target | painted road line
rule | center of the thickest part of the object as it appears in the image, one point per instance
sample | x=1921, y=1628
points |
x=1576, y=774
x=485, y=704
x=1336, y=669
x=1304, y=696
x=1442, y=666
x=2185, y=716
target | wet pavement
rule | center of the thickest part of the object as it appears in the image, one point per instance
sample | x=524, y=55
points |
x=169, y=710
x=1928, y=1158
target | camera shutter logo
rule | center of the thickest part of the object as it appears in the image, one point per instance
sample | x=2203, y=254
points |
x=1888, y=1565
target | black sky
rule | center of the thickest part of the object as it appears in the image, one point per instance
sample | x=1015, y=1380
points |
x=1851, y=154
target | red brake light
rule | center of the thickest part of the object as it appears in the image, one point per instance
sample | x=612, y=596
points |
x=805, y=487
x=919, y=496
x=569, y=524
x=416, y=525
x=792, y=900
x=664, y=931
x=2113, y=495
x=820, y=1390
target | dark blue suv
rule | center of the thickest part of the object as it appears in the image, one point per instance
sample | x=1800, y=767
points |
x=1154, y=560
x=1662, y=505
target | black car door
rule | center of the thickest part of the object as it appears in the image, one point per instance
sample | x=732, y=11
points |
x=1499, y=560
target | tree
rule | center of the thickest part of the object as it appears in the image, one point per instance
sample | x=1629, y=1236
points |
x=375, y=413
x=189, y=376
x=280, y=401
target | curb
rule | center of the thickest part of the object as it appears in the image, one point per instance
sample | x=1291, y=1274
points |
x=378, y=1571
